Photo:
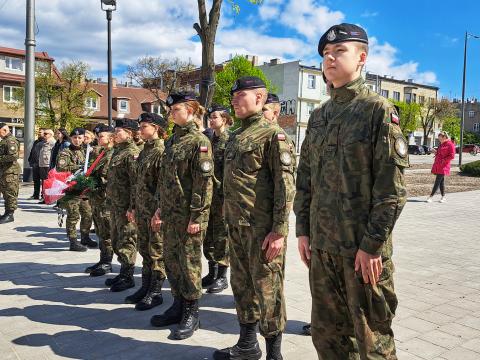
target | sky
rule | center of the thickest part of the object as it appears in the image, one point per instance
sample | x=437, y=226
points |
x=421, y=39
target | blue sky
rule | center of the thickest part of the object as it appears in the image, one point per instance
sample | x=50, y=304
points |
x=420, y=39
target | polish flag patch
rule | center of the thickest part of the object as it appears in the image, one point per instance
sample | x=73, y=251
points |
x=395, y=119
x=203, y=148
x=281, y=137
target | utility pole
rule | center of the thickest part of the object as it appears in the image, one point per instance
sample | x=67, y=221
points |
x=29, y=115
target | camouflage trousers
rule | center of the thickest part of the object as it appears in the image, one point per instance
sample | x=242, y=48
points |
x=350, y=319
x=257, y=285
x=215, y=246
x=124, y=237
x=183, y=259
x=101, y=220
x=150, y=245
x=9, y=184
x=77, y=209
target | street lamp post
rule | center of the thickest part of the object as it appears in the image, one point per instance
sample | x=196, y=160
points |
x=462, y=124
x=109, y=6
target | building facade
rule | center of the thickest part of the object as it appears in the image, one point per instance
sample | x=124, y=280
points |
x=472, y=114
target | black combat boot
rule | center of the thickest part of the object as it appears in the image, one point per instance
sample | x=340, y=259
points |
x=76, y=246
x=126, y=280
x=112, y=281
x=7, y=217
x=173, y=315
x=104, y=266
x=274, y=347
x=140, y=293
x=208, y=280
x=221, y=282
x=190, y=321
x=247, y=347
x=85, y=240
x=154, y=295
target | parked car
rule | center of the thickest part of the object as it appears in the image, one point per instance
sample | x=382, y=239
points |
x=416, y=150
x=427, y=149
x=468, y=148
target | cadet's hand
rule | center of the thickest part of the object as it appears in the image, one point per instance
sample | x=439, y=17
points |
x=193, y=228
x=304, y=249
x=156, y=222
x=131, y=216
x=370, y=265
x=273, y=243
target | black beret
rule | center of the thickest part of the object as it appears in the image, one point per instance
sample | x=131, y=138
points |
x=127, y=124
x=153, y=118
x=341, y=33
x=180, y=97
x=102, y=128
x=77, y=131
x=216, y=107
x=246, y=83
x=272, y=99
x=2, y=124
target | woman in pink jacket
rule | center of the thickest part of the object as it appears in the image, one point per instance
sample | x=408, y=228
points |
x=441, y=166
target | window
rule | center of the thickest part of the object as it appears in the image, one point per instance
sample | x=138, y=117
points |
x=310, y=108
x=414, y=97
x=421, y=99
x=311, y=81
x=384, y=93
x=476, y=127
x=471, y=114
x=123, y=106
x=408, y=97
x=396, y=96
x=92, y=103
x=431, y=100
x=11, y=94
x=14, y=63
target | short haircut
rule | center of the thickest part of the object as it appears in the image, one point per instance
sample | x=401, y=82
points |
x=272, y=107
x=264, y=93
x=88, y=132
x=362, y=47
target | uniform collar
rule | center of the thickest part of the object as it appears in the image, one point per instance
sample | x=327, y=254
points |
x=152, y=143
x=252, y=119
x=76, y=148
x=348, y=91
x=185, y=129
x=125, y=144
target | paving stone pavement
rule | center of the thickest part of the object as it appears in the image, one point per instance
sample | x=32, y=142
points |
x=50, y=309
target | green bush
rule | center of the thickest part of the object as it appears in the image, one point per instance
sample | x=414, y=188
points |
x=472, y=169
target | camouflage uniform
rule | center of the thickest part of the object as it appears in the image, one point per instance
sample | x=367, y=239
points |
x=259, y=166
x=350, y=192
x=97, y=197
x=215, y=247
x=150, y=243
x=185, y=193
x=9, y=171
x=120, y=194
x=73, y=159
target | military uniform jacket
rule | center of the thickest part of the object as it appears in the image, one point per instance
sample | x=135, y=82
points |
x=218, y=146
x=350, y=180
x=9, y=152
x=148, y=169
x=71, y=159
x=185, y=183
x=259, y=173
x=100, y=172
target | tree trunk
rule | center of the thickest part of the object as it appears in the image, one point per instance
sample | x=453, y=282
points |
x=207, y=83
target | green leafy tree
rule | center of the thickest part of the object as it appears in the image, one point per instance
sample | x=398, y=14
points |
x=452, y=126
x=470, y=138
x=435, y=111
x=409, y=116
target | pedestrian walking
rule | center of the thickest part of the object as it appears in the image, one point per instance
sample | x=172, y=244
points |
x=441, y=165
x=33, y=159
x=45, y=155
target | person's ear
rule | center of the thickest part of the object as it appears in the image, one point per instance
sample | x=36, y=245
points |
x=363, y=58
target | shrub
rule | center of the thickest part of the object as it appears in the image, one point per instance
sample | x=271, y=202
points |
x=472, y=169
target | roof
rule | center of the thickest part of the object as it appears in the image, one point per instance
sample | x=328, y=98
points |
x=18, y=52
x=12, y=77
x=136, y=95
x=370, y=76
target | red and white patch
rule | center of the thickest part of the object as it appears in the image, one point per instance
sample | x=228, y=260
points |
x=281, y=137
x=203, y=148
x=395, y=119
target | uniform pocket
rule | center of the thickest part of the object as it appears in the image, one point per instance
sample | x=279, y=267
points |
x=250, y=158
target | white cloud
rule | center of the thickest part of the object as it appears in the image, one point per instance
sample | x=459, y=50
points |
x=369, y=14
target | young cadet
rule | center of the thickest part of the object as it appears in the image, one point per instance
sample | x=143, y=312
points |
x=9, y=172
x=271, y=109
x=184, y=192
x=350, y=192
x=258, y=192
x=150, y=243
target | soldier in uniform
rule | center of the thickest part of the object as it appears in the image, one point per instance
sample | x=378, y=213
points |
x=259, y=166
x=350, y=192
x=215, y=247
x=120, y=195
x=150, y=243
x=9, y=172
x=271, y=109
x=72, y=159
x=185, y=193
x=97, y=197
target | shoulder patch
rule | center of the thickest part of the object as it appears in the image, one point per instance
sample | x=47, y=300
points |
x=62, y=162
x=401, y=147
x=203, y=149
x=395, y=119
x=281, y=137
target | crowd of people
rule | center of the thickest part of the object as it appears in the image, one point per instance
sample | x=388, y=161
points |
x=228, y=194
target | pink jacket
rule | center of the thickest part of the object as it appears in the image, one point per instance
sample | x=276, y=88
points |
x=445, y=154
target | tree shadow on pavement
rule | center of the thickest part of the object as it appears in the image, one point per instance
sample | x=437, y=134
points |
x=90, y=345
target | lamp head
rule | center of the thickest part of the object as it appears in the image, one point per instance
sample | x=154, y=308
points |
x=108, y=5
